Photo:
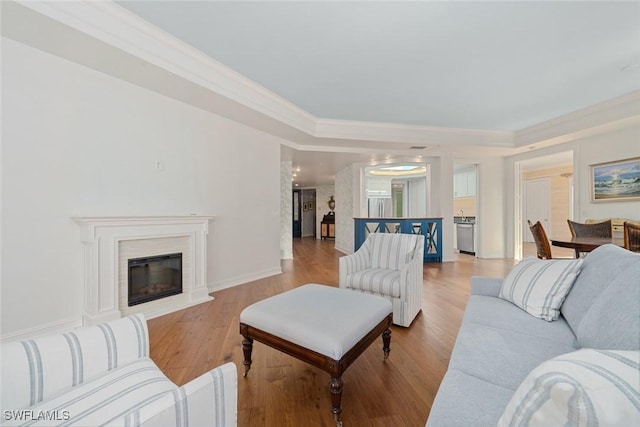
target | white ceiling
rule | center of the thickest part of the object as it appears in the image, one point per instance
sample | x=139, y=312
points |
x=369, y=78
x=500, y=66
x=477, y=65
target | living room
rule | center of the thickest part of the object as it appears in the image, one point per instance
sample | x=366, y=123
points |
x=99, y=125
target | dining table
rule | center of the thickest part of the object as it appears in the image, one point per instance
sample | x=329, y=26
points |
x=587, y=244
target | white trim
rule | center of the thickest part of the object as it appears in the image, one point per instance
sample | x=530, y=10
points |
x=400, y=133
x=115, y=25
x=241, y=280
x=46, y=329
x=606, y=116
x=101, y=237
x=112, y=24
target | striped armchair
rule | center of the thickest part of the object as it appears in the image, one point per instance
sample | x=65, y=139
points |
x=389, y=265
x=102, y=375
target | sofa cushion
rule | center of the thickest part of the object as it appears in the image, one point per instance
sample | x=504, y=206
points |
x=584, y=388
x=107, y=399
x=392, y=250
x=381, y=281
x=500, y=356
x=540, y=286
x=599, y=270
x=500, y=314
x=613, y=320
x=464, y=400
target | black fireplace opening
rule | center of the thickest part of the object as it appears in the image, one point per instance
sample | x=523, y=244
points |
x=155, y=277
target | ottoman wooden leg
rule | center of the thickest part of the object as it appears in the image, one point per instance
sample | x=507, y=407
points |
x=336, y=399
x=247, y=348
x=386, y=342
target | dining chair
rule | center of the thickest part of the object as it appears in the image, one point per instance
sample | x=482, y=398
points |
x=543, y=248
x=597, y=229
x=632, y=237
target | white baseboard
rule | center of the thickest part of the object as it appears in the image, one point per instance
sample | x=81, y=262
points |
x=343, y=250
x=241, y=280
x=46, y=329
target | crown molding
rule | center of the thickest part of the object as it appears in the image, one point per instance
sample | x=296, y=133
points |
x=110, y=23
x=412, y=134
x=616, y=113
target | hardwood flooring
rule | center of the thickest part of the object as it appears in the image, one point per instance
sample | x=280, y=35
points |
x=282, y=391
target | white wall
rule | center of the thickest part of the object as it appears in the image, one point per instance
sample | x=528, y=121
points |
x=345, y=200
x=490, y=227
x=76, y=142
x=286, y=210
x=308, y=216
x=619, y=145
x=416, y=193
x=609, y=146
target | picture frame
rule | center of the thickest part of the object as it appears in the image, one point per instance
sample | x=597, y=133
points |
x=617, y=181
x=305, y=206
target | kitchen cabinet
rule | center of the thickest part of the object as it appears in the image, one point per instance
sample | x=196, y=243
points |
x=464, y=184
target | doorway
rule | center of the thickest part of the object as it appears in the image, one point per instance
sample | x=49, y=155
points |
x=297, y=213
x=536, y=206
x=551, y=205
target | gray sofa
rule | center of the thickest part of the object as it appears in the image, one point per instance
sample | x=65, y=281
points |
x=499, y=344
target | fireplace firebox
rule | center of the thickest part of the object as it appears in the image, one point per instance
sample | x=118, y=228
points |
x=155, y=277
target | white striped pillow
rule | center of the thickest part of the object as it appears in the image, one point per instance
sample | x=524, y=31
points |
x=540, y=286
x=587, y=387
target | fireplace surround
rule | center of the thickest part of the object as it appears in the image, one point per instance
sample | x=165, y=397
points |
x=110, y=242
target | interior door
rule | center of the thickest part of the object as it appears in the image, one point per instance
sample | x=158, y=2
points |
x=297, y=214
x=536, y=206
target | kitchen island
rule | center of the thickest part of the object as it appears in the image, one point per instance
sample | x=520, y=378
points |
x=430, y=228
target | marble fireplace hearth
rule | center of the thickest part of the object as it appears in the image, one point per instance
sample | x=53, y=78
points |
x=109, y=242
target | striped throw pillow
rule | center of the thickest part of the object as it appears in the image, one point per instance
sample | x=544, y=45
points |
x=587, y=387
x=540, y=286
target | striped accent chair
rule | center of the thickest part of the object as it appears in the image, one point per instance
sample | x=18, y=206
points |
x=388, y=265
x=102, y=375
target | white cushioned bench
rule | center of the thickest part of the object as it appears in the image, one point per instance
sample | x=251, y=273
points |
x=321, y=325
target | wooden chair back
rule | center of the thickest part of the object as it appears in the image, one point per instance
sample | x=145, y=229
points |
x=543, y=248
x=598, y=229
x=595, y=229
x=632, y=237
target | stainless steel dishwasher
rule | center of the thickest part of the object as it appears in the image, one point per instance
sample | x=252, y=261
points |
x=464, y=231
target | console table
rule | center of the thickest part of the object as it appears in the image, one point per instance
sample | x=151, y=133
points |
x=430, y=228
x=328, y=227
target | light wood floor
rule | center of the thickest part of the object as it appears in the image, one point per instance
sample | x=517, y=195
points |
x=282, y=391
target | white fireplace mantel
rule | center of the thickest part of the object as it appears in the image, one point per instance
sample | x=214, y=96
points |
x=102, y=238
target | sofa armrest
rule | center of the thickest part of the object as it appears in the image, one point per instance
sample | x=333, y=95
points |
x=489, y=286
x=35, y=370
x=411, y=274
x=357, y=261
x=209, y=400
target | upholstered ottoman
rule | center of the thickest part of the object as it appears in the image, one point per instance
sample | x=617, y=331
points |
x=321, y=325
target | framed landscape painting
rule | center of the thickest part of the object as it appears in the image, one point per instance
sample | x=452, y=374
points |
x=616, y=181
